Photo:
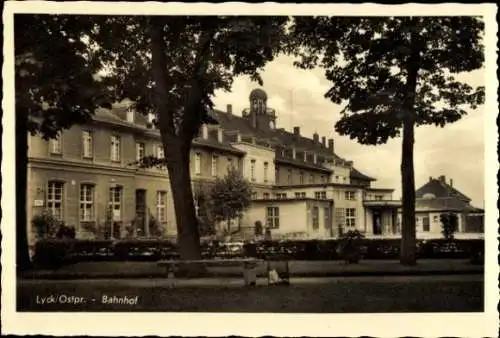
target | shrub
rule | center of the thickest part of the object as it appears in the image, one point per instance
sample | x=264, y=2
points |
x=66, y=232
x=52, y=253
x=45, y=225
x=449, y=224
x=350, y=246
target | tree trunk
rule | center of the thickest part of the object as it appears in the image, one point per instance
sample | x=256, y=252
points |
x=408, y=236
x=188, y=237
x=23, y=260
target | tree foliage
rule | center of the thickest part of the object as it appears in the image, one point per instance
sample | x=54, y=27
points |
x=198, y=55
x=368, y=62
x=230, y=196
x=55, y=70
x=392, y=74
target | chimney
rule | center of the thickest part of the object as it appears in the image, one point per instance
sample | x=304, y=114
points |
x=451, y=182
x=330, y=144
x=219, y=135
x=316, y=138
x=442, y=178
x=430, y=178
x=296, y=131
x=323, y=141
x=204, y=131
x=130, y=115
x=229, y=109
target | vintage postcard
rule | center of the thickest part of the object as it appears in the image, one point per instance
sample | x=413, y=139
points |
x=249, y=169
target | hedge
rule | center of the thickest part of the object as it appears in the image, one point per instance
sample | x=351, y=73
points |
x=54, y=253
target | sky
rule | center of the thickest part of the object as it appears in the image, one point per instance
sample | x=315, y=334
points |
x=456, y=151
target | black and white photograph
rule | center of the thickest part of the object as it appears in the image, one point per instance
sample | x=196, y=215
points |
x=249, y=169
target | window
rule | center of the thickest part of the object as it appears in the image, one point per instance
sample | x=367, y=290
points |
x=277, y=175
x=252, y=170
x=87, y=144
x=350, y=217
x=266, y=195
x=326, y=215
x=289, y=178
x=311, y=178
x=300, y=194
x=301, y=178
x=315, y=218
x=161, y=206
x=436, y=218
x=115, y=148
x=254, y=195
x=320, y=195
x=266, y=167
x=323, y=179
x=426, y=224
x=214, y=166
x=350, y=195
x=379, y=197
x=86, y=202
x=197, y=163
x=160, y=153
x=273, y=217
x=115, y=203
x=340, y=219
x=55, y=198
x=230, y=164
x=280, y=195
x=140, y=150
x=56, y=145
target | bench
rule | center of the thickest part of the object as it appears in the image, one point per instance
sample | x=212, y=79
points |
x=248, y=264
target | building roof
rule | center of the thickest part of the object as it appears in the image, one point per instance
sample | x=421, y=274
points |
x=210, y=143
x=441, y=203
x=280, y=136
x=439, y=188
x=359, y=175
x=230, y=122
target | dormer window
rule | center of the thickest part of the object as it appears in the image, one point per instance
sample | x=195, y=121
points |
x=130, y=115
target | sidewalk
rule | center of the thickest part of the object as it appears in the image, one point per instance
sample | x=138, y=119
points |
x=89, y=270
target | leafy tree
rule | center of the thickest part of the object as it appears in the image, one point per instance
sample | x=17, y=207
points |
x=205, y=218
x=167, y=65
x=449, y=222
x=171, y=66
x=230, y=197
x=55, y=87
x=393, y=74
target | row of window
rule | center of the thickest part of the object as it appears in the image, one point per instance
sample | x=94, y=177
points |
x=349, y=195
x=312, y=178
x=273, y=217
x=55, y=202
x=214, y=167
x=115, y=147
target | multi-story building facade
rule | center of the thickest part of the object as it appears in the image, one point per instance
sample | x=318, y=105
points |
x=300, y=185
x=437, y=197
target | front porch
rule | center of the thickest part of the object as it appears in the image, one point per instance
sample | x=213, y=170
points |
x=381, y=218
